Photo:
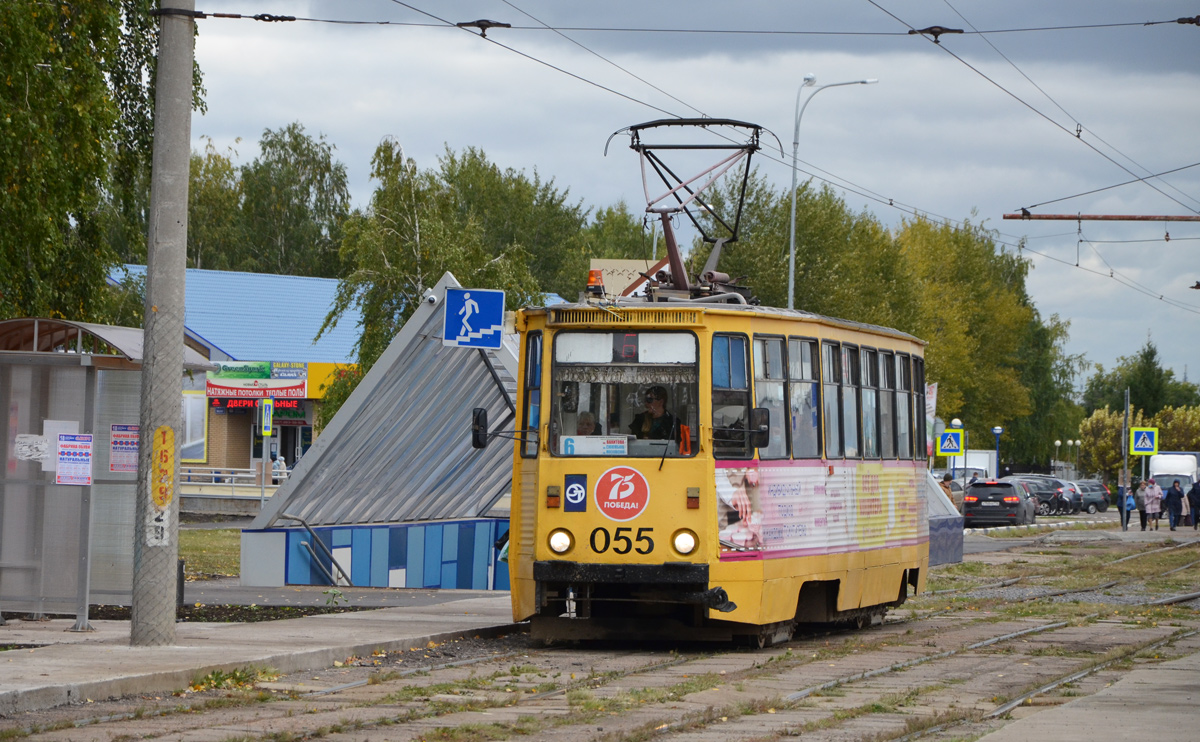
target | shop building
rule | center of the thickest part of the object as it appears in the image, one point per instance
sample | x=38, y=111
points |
x=260, y=330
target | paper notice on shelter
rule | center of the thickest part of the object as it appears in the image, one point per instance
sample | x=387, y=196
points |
x=74, y=459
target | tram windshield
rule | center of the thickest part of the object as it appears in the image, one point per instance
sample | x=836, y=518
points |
x=625, y=394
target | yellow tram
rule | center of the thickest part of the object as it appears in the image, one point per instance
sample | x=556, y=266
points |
x=692, y=465
x=713, y=471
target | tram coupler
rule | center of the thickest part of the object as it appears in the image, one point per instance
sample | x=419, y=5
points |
x=715, y=598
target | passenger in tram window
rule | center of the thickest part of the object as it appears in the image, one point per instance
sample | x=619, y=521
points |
x=586, y=424
x=655, y=423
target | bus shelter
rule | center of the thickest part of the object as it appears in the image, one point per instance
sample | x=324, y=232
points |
x=72, y=394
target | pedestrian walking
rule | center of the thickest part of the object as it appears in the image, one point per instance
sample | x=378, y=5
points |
x=1125, y=502
x=1140, y=502
x=1193, y=499
x=1154, y=497
x=1173, y=504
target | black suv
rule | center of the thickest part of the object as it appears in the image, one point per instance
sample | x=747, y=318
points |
x=1054, y=495
x=992, y=503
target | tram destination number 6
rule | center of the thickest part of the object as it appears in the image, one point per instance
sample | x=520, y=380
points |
x=602, y=540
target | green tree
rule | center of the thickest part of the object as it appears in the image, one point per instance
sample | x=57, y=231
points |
x=58, y=120
x=514, y=209
x=1103, y=448
x=215, y=235
x=402, y=245
x=1151, y=387
x=1049, y=373
x=294, y=200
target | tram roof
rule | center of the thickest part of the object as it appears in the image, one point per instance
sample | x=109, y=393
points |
x=709, y=308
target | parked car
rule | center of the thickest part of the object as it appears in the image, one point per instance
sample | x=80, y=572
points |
x=1056, y=496
x=992, y=503
x=1094, y=495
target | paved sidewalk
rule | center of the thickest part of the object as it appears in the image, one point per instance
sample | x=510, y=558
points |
x=65, y=666
x=1156, y=703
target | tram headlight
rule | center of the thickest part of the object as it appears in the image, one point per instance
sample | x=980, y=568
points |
x=560, y=541
x=684, y=541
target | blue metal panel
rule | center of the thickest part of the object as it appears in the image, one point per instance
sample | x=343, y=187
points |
x=433, y=557
x=449, y=542
x=379, y=556
x=483, y=553
x=466, y=548
x=298, y=568
x=341, y=537
x=360, y=556
x=945, y=540
x=449, y=575
x=398, y=551
x=416, y=557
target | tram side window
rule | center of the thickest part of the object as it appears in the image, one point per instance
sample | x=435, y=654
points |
x=805, y=397
x=850, y=401
x=768, y=393
x=730, y=397
x=831, y=374
x=870, y=407
x=533, y=395
x=887, y=405
x=903, y=408
x=919, y=412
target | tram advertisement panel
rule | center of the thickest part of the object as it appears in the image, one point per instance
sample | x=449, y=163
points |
x=801, y=508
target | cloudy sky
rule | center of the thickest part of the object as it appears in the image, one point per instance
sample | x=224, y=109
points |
x=1019, y=111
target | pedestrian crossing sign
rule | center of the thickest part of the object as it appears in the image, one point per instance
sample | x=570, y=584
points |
x=1143, y=441
x=950, y=443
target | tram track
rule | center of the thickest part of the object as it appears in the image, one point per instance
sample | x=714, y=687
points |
x=681, y=691
x=552, y=693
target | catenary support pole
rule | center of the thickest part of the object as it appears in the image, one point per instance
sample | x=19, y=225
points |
x=156, y=523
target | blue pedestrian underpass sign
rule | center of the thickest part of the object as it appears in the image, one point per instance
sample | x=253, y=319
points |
x=1143, y=441
x=474, y=318
x=950, y=443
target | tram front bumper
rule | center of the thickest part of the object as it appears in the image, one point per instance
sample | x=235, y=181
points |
x=679, y=575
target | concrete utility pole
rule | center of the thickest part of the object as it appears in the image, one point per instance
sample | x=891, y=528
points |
x=156, y=525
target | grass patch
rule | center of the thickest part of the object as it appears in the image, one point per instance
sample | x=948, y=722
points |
x=207, y=553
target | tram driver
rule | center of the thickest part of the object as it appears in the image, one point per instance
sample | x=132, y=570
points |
x=655, y=423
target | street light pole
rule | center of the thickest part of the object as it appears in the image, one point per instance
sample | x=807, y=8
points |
x=997, y=431
x=809, y=80
x=1052, y=463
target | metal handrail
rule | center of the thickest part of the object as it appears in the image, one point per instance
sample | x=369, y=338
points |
x=324, y=548
x=227, y=475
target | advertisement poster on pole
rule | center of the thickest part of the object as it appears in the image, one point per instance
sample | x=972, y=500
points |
x=74, y=459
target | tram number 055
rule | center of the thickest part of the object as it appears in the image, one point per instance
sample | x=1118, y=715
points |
x=620, y=541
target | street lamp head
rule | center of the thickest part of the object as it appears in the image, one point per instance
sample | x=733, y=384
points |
x=809, y=80
x=1057, y=443
x=997, y=430
x=868, y=81
x=956, y=423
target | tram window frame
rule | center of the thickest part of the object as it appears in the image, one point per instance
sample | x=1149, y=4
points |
x=904, y=437
x=727, y=448
x=869, y=389
x=887, y=404
x=920, y=437
x=798, y=382
x=534, y=360
x=761, y=362
x=851, y=403
x=831, y=398
x=623, y=348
